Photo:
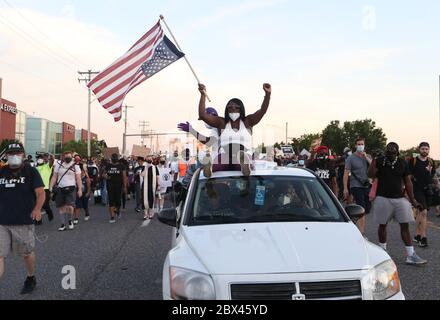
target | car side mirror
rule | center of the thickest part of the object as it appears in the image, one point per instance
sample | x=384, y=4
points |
x=355, y=212
x=168, y=217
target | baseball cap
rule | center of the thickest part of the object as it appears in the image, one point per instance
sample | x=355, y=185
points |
x=15, y=147
x=347, y=149
x=322, y=148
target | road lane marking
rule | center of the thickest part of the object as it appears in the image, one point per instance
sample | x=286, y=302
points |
x=145, y=223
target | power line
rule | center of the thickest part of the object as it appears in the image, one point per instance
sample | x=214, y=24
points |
x=33, y=42
x=73, y=59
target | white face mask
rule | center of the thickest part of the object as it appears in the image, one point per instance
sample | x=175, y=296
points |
x=360, y=148
x=234, y=116
x=350, y=153
x=40, y=161
x=15, y=161
x=301, y=162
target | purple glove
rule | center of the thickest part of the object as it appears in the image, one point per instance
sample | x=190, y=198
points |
x=185, y=127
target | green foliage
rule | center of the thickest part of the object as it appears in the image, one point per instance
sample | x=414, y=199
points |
x=338, y=138
x=79, y=147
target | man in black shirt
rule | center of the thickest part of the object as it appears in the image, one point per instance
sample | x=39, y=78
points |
x=324, y=168
x=22, y=196
x=116, y=176
x=422, y=169
x=390, y=203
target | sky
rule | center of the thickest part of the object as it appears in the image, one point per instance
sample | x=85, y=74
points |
x=326, y=60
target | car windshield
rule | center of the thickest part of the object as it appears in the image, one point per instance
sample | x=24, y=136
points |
x=263, y=199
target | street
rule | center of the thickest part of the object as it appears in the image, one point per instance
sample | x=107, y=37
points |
x=124, y=261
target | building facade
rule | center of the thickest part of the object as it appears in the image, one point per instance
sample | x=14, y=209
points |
x=8, y=113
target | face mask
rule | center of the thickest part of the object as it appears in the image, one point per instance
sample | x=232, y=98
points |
x=301, y=162
x=360, y=148
x=68, y=160
x=40, y=161
x=350, y=153
x=234, y=116
x=15, y=161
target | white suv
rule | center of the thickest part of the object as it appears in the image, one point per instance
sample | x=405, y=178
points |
x=279, y=234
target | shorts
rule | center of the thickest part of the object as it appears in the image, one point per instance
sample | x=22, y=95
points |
x=114, y=196
x=422, y=199
x=19, y=240
x=362, y=198
x=163, y=190
x=82, y=203
x=63, y=200
x=387, y=209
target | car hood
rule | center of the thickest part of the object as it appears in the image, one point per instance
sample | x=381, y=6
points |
x=263, y=248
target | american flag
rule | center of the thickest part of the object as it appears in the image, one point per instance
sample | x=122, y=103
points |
x=150, y=54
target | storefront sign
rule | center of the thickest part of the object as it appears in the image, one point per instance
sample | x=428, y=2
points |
x=7, y=108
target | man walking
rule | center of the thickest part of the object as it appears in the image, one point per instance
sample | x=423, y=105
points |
x=390, y=203
x=67, y=182
x=422, y=170
x=116, y=176
x=45, y=167
x=356, y=173
x=21, y=199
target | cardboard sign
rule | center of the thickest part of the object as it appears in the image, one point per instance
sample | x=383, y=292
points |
x=287, y=150
x=109, y=151
x=139, y=151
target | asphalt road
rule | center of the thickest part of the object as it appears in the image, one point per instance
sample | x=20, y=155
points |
x=124, y=261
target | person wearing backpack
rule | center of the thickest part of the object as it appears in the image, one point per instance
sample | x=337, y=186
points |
x=66, y=184
x=422, y=170
x=22, y=196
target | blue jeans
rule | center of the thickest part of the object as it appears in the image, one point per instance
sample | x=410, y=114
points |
x=104, y=193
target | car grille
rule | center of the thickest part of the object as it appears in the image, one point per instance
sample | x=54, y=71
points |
x=332, y=290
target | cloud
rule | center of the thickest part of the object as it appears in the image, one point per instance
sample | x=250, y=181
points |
x=68, y=11
x=235, y=10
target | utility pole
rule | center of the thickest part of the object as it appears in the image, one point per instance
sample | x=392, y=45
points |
x=124, y=143
x=143, y=125
x=287, y=133
x=86, y=76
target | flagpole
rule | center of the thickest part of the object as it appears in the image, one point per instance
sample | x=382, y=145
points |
x=186, y=59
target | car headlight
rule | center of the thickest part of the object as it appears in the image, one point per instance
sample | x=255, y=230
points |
x=190, y=285
x=383, y=281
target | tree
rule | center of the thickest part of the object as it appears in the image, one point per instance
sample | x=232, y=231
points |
x=334, y=137
x=338, y=138
x=409, y=152
x=79, y=147
x=375, y=138
x=305, y=142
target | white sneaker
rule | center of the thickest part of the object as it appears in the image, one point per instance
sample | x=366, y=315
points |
x=62, y=228
x=112, y=220
x=71, y=226
x=86, y=218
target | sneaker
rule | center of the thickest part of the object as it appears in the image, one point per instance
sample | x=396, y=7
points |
x=138, y=210
x=29, y=285
x=423, y=243
x=245, y=163
x=62, y=228
x=71, y=225
x=112, y=220
x=76, y=221
x=39, y=223
x=417, y=239
x=86, y=218
x=415, y=260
